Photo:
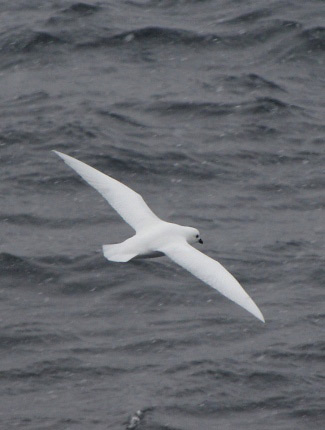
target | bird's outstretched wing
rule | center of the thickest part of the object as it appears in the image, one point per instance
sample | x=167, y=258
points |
x=212, y=273
x=129, y=204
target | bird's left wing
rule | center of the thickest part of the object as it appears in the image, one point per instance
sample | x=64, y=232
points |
x=212, y=273
x=129, y=204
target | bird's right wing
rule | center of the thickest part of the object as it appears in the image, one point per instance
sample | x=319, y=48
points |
x=212, y=273
x=129, y=204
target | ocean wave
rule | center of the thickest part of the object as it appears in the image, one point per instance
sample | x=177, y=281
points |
x=156, y=35
x=249, y=17
x=175, y=36
x=307, y=43
x=304, y=353
x=81, y=8
x=157, y=345
x=260, y=105
x=50, y=269
x=25, y=41
x=72, y=15
x=254, y=377
x=252, y=81
x=60, y=369
x=124, y=119
x=225, y=405
x=166, y=163
x=27, y=338
x=28, y=99
x=20, y=267
x=309, y=412
x=314, y=38
x=267, y=158
x=53, y=223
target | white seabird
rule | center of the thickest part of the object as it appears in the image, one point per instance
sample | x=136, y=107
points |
x=155, y=237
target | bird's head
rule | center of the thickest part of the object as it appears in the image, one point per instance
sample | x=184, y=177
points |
x=193, y=235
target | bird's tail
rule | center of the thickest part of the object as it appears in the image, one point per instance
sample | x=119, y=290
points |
x=117, y=253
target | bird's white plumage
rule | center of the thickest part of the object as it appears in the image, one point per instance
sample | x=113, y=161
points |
x=129, y=204
x=155, y=237
x=212, y=273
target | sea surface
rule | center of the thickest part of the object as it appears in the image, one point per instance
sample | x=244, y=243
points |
x=213, y=111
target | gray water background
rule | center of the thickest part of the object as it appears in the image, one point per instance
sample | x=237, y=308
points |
x=214, y=112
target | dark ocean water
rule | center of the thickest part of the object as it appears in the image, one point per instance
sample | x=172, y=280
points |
x=214, y=112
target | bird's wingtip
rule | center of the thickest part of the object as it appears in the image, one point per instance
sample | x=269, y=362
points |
x=258, y=314
x=252, y=307
x=57, y=152
x=64, y=157
x=262, y=319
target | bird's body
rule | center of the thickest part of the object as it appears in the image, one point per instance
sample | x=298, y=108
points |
x=155, y=237
x=149, y=242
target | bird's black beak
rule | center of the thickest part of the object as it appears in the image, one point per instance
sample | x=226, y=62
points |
x=200, y=241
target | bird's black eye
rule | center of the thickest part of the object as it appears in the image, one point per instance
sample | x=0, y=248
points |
x=197, y=236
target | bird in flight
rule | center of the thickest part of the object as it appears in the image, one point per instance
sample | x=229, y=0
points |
x=155, y=237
